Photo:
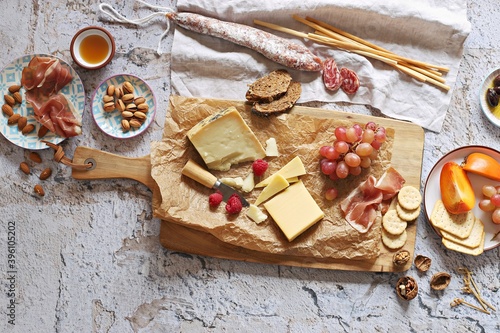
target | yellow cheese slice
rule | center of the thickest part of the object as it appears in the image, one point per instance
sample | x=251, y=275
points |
x=277, y=184
x=294, y=168
x=255, y=214
x=223, y=139
x=294, y=210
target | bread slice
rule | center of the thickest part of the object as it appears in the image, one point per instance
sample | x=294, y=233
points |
x=269, y=87
x=281, y=104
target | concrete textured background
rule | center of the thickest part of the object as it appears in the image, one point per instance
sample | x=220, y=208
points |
x=88, y=253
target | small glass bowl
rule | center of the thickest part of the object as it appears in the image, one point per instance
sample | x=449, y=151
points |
x=80, y=36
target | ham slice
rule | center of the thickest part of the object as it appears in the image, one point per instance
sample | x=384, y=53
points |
x=43, y=78
x=361, y=207
x=56, y=113
x=45, y=73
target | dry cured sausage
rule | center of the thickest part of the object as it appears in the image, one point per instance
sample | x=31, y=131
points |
x=350, y=81
x=273, y=47
x=331, y=75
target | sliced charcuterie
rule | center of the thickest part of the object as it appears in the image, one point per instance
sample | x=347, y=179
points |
x=350, y=81
x=331, y=75
x=46, y=74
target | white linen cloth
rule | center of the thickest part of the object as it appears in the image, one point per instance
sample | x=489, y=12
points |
x=433, y=31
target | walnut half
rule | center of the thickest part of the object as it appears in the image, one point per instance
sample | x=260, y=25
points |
x=440, y=281
x=422, y=263
x=407, y=288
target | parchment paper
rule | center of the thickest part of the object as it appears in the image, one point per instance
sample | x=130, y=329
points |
x=186, y=202
x=425, y=30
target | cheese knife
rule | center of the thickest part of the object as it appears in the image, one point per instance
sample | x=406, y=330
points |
x=202, y=176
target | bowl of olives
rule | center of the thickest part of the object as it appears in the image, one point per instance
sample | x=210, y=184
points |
x=489, y=97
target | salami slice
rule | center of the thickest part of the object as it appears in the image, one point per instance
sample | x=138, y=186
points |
x=331, y=75
x=350, y=81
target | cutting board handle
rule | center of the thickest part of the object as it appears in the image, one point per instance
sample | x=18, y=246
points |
x=197, y=173
x=106, y=166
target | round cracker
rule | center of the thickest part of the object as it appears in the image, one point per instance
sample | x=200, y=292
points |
x=406, y=214
x=409, y=197
x=394, y=242
x=392, y=223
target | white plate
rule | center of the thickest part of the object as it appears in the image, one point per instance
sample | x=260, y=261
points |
x=483, y=101
x=432, y=191
x=110, y=122
x=10, y=75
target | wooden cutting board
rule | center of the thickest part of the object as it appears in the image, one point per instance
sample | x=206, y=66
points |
x=406, y=158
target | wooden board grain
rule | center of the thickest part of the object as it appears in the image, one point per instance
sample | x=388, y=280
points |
x=406, y=158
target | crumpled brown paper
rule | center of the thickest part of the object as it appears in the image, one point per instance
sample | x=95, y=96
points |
x=185, y=202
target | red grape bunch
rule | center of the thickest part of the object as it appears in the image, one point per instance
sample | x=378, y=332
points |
x=355, y=148
x=491, y=202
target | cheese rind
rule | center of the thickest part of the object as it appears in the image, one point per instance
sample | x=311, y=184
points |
x=294, y=168
x=294, y=210
x=223, y=139
x=277, y=184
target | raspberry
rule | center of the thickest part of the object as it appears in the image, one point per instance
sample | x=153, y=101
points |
x=259, y=167
x=233, y=205
x=215, y=199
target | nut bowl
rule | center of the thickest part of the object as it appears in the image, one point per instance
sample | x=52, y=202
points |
x=107, y=106
x=491, y=113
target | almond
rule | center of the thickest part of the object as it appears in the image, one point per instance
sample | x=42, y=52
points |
x=17, y=97
x=39, y=190
x=135, y=123
x=24, y=168
x=111, y=90
x=128, y=88
x=13, y=119
x=125, y=125
x=28, y=129
x=22, y=122
x=46, y=174
x=7, y=110
x=9, y=100
x=35, y=157
x=42, y=131
x=14, y=88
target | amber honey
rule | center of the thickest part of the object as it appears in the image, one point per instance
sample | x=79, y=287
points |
x=94, y=49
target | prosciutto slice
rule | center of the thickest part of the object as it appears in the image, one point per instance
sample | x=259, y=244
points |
x=43, y=79
x=361, y=207
x=56, y=113
x=46, y=74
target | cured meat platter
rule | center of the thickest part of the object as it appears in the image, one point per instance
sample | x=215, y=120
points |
x=406, y=157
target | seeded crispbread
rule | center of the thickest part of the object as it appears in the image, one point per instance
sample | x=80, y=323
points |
x=464, y=249
x=459, y=225
x=394, y=242
x=475, y=238
x=409, y=197
x=281, y=104
x=392, y=223
x=269, y=87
